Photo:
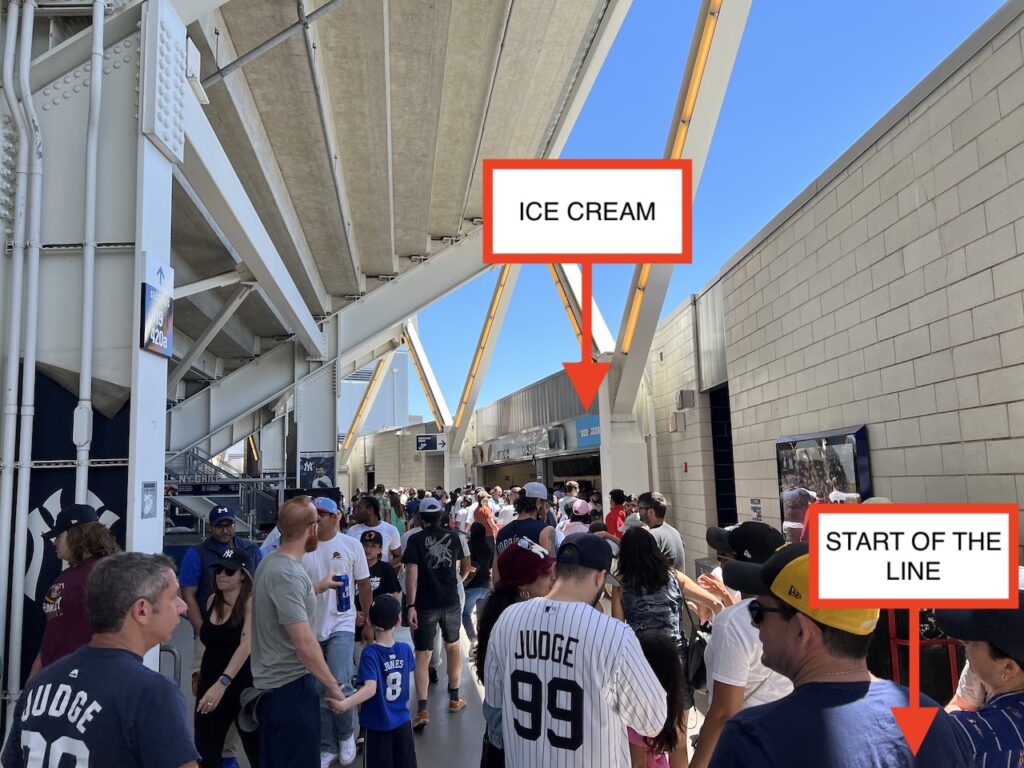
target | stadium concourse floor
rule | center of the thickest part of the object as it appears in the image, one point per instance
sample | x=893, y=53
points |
x=449, y=740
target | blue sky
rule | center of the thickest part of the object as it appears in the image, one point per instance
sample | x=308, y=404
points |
x=809, y=79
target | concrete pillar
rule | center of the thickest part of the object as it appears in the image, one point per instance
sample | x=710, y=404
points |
x=624, y=459
x=316, y=426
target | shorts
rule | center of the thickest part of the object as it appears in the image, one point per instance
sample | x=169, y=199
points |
x=449, y=619
x=390, y=749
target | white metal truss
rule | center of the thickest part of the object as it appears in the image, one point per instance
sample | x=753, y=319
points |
x=425, y=373
x=496, y=311
x=355, y=336
x=716, y=41
x=569, y=282
x=369, y=397
x=206, y=365
x=208, y=335
x=209, y=172
x=207, y=284
x=235, y=100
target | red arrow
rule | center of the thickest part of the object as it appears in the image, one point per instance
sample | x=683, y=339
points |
x=586, y=375
x=914, y=720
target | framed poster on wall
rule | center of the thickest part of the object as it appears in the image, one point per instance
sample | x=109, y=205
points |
x=821, y=467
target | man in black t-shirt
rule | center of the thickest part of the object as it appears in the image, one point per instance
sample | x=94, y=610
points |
x=436, y=559
x=100, y=706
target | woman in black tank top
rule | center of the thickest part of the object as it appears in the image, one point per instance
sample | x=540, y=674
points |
x=224, y=671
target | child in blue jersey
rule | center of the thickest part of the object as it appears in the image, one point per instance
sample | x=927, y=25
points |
x=385, y=671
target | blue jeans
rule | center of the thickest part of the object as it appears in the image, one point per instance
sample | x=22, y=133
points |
x=473, y=596
x=338, y=650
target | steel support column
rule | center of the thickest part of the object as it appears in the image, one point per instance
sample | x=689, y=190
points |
x=425, y=373
x=500, y=301
x=369, y=397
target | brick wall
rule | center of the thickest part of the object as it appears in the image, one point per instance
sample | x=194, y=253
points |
x=685, y=463
x=893, y=295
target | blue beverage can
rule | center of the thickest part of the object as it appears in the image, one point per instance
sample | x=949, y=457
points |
x=344, y=595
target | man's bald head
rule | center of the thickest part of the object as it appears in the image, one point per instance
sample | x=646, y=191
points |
x=294, y=518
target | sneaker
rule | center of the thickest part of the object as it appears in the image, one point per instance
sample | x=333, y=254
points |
x=433, y=675
x=455, y=706
x=420, y=720
x=327, y=759
x=347, y=751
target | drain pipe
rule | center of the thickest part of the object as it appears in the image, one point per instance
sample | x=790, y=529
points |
x=28, y=373
x=82, y=433
x=11, y=353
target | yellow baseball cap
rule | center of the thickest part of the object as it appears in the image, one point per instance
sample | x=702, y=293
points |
x=786, y=575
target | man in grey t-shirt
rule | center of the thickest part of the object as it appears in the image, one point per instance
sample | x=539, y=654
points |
x=652, y=511
x=286, y=656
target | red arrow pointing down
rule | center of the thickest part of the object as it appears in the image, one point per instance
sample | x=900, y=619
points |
x=586, y=375
x=914, y=720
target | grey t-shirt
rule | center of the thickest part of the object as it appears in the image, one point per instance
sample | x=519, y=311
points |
x=671, y=545
x=282, y=594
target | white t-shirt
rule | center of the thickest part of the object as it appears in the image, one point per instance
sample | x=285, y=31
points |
x=340, y=555
x=464, y=515
x=388, y=532
x=733, y=657
x=506, y=514
x=594, y=668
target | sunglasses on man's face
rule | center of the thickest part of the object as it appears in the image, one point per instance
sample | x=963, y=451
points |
x=758, y=610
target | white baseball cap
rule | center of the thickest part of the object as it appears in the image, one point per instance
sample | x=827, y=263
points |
x=536, y=491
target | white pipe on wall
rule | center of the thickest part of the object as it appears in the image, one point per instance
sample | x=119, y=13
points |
x=82, y=431
x=28, y=373
x=13, y=342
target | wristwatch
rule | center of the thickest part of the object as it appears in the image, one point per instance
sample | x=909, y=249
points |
x=224, y=680
x=410, y=606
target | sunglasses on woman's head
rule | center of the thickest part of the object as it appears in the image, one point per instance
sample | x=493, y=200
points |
x=536, y=549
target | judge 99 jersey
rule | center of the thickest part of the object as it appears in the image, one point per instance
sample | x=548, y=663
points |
x=569, y=680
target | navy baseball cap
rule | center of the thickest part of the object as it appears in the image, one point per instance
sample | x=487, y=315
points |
x=71, y=516
x=384, y=612
x=1001, y=627
x=587, y=550
x=219, y=514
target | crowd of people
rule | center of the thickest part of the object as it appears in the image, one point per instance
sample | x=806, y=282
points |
x=583, y=627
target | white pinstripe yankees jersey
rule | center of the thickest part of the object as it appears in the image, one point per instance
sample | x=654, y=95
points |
x=569, y=680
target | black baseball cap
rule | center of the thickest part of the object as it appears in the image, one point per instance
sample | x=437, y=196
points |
x=232, y=559
x=1000, y=627
x=371, y=537
x=748, y=542
x=384, y=612
x=587, y=550
x=71, y=516
x=786, y=576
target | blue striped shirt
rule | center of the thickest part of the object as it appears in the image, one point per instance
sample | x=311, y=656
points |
x=996, y=731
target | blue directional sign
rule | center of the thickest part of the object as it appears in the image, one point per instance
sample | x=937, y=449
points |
x=431, y=442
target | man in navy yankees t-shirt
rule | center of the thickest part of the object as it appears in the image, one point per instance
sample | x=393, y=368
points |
x=100, y=706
